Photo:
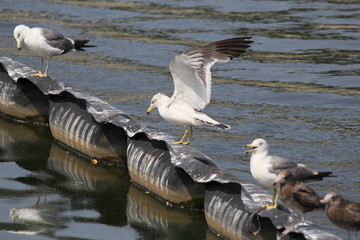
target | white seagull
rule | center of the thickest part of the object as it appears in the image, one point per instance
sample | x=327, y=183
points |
x=45, y=42
x=191, y=74
x=265, y=168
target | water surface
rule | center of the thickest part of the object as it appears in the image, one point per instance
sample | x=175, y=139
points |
x=298, y=87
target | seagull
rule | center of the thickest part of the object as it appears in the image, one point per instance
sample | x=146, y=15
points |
x=342, y=212
x=191, y=74
x=46, y=43
x=265, y=168
x=296, y=195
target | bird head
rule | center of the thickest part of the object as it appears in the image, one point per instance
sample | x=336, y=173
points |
x=20, y=32
x=258, y=145
x=155, y=102
x=331, y=198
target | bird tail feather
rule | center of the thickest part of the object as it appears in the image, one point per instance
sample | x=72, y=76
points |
x=80, y=44
x=320, y=176
x=222, y=126
x=212, y=122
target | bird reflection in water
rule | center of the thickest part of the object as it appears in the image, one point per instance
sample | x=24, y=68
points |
x=41, y=218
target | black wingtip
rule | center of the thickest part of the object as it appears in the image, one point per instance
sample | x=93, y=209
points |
x=80, y=44
x=232, y=47
x=326, y=174
x=222, y=126
x=320, y=176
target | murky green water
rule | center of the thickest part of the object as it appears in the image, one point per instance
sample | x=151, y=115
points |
x=298, y=87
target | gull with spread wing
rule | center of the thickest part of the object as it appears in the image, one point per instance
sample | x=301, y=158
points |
x=191, y=74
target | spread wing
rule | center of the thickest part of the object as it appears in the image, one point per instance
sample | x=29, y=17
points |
x=191, y=69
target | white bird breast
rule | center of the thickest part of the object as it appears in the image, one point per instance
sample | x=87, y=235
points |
x=179, y=114
x=262, y=175
x=37, y=44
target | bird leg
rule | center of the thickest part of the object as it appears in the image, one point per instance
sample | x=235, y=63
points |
x=190, y=135
x=274, y=202
x=302, y=222
x=47, y=67
x=40, y=74
x=183, y=137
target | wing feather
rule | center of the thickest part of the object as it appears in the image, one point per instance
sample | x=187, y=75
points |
x=353, y=209
x=57, y=40
x=279, y=164
x=191, y=69
x=306, y=196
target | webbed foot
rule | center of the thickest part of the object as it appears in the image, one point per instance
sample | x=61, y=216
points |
x=40, y=74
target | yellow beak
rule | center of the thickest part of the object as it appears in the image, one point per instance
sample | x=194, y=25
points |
x=19, y=46
x=148, y=111
x=250, y=150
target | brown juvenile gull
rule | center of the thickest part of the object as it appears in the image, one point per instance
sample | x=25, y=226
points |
x=46, y=43
x=191, y=74
x=264, y=168
x=296, y=195
x=342, y=212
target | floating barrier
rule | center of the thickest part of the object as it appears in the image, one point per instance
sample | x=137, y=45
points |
x=72, y=125
x=179, y=175
x=83, y=125
x=150, y=166
x=22, y=100
x=234, y=210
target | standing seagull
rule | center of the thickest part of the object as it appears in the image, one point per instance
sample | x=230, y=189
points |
x=296, y=195
x=191, y=74
x=264, y=168
x=45, y=42
x=342, y=212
